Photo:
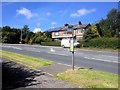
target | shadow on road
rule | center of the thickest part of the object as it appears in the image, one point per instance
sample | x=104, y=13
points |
x=16, y=76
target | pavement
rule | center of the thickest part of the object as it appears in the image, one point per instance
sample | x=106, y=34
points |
x=16, y=76
x=105, y=61
x=55, y=68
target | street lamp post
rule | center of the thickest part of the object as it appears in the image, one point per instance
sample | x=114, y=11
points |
x=21, y=36
x=70, y=29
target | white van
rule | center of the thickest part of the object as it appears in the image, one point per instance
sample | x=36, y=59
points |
x=66, y=43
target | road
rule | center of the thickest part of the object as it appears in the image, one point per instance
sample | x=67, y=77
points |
x=97, y=60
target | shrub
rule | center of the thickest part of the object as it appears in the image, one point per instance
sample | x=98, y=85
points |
x=101, y=43
x=53, y=43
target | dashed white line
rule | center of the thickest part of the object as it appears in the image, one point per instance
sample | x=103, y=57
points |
x=109, y=56
x=58, y=54
x=68, y=65
x=101, y=60
x=13, y=47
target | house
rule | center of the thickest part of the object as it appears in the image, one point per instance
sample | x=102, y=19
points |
x=59, y=33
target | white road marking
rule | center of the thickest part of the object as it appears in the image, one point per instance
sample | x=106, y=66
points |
x=58, y=54
x=68, y=65
x=52, y=50
x=13, y=47
x=101, y=60
x=110, y=56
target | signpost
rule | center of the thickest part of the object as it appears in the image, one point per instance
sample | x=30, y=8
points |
x=70, y=29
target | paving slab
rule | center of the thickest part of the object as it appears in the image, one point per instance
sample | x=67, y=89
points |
x=55, y=68
x=17, y=76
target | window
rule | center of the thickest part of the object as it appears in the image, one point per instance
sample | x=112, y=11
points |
x=56, y=33
x=65, y=32
x=79, y=31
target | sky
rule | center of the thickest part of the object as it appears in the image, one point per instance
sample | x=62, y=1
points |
x=41, y=16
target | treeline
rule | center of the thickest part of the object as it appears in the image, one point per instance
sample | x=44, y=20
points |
x=105, y=33
x=109, y=27
x=24, y=35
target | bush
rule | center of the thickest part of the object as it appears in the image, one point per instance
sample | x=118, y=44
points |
x=51, y=43
x=101, y=43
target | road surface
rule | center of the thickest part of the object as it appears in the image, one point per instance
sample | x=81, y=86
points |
x=97, y=60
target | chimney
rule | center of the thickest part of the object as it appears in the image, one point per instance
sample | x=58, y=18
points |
x=66, y=24
x=80, y=23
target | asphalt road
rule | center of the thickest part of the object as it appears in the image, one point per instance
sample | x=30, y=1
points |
x=98, y=60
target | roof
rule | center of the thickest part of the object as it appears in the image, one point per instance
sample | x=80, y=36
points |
x=54, y=29
x=63, y=28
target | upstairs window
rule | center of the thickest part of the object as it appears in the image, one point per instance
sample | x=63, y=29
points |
x=79, y=31
x=65, y=32
x=56, y=33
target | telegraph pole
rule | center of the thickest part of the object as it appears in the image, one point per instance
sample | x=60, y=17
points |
x=21, y=36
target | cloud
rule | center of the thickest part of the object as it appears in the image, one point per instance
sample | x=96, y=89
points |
x=37, y=30
x=27, y=13
x=38, y=24
x=48, y=13
x=53, y=23
x=52, y=27
x=82, y=12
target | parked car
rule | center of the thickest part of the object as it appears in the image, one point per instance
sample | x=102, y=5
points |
x=66, y=43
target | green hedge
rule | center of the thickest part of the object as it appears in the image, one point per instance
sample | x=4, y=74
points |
x=101, y=43
x=51, y=43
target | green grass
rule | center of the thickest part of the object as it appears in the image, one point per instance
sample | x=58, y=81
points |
x=85, y=78
x=28, y=61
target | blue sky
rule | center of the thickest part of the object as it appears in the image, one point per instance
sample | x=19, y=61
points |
x=46, y=15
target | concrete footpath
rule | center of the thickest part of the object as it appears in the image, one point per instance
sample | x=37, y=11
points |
x=55, y=68
x=17, y=76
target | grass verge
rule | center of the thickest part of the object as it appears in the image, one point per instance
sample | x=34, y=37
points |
x=85, y=78
x=28, y=61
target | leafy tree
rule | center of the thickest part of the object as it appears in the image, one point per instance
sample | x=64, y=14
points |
x=6, y=29
x=110, y=26
x=91, y=32
x=25, y=31
x=28, y=37
x=48, y=34
x=99, y=30
x=10, y=35
x=38, y=38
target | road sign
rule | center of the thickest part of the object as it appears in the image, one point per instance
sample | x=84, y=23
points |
x=72, y=45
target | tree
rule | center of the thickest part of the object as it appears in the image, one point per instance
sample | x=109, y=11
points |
x=38, y=38
x=91, y=32
x=99, y=30
x=29, y=37
x=6, y=29
x=25, y=31
x=110, y=26
x=10, y=35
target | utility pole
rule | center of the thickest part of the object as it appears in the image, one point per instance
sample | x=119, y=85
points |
x=21, y=36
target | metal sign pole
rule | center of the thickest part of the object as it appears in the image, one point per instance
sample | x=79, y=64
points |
x=70, y=29
x=73, y=60
x=73, y=49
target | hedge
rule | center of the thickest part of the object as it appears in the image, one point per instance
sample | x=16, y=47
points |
x=102, y=43
x=51, y=43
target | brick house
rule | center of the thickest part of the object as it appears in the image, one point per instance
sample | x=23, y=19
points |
x=59, y=33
